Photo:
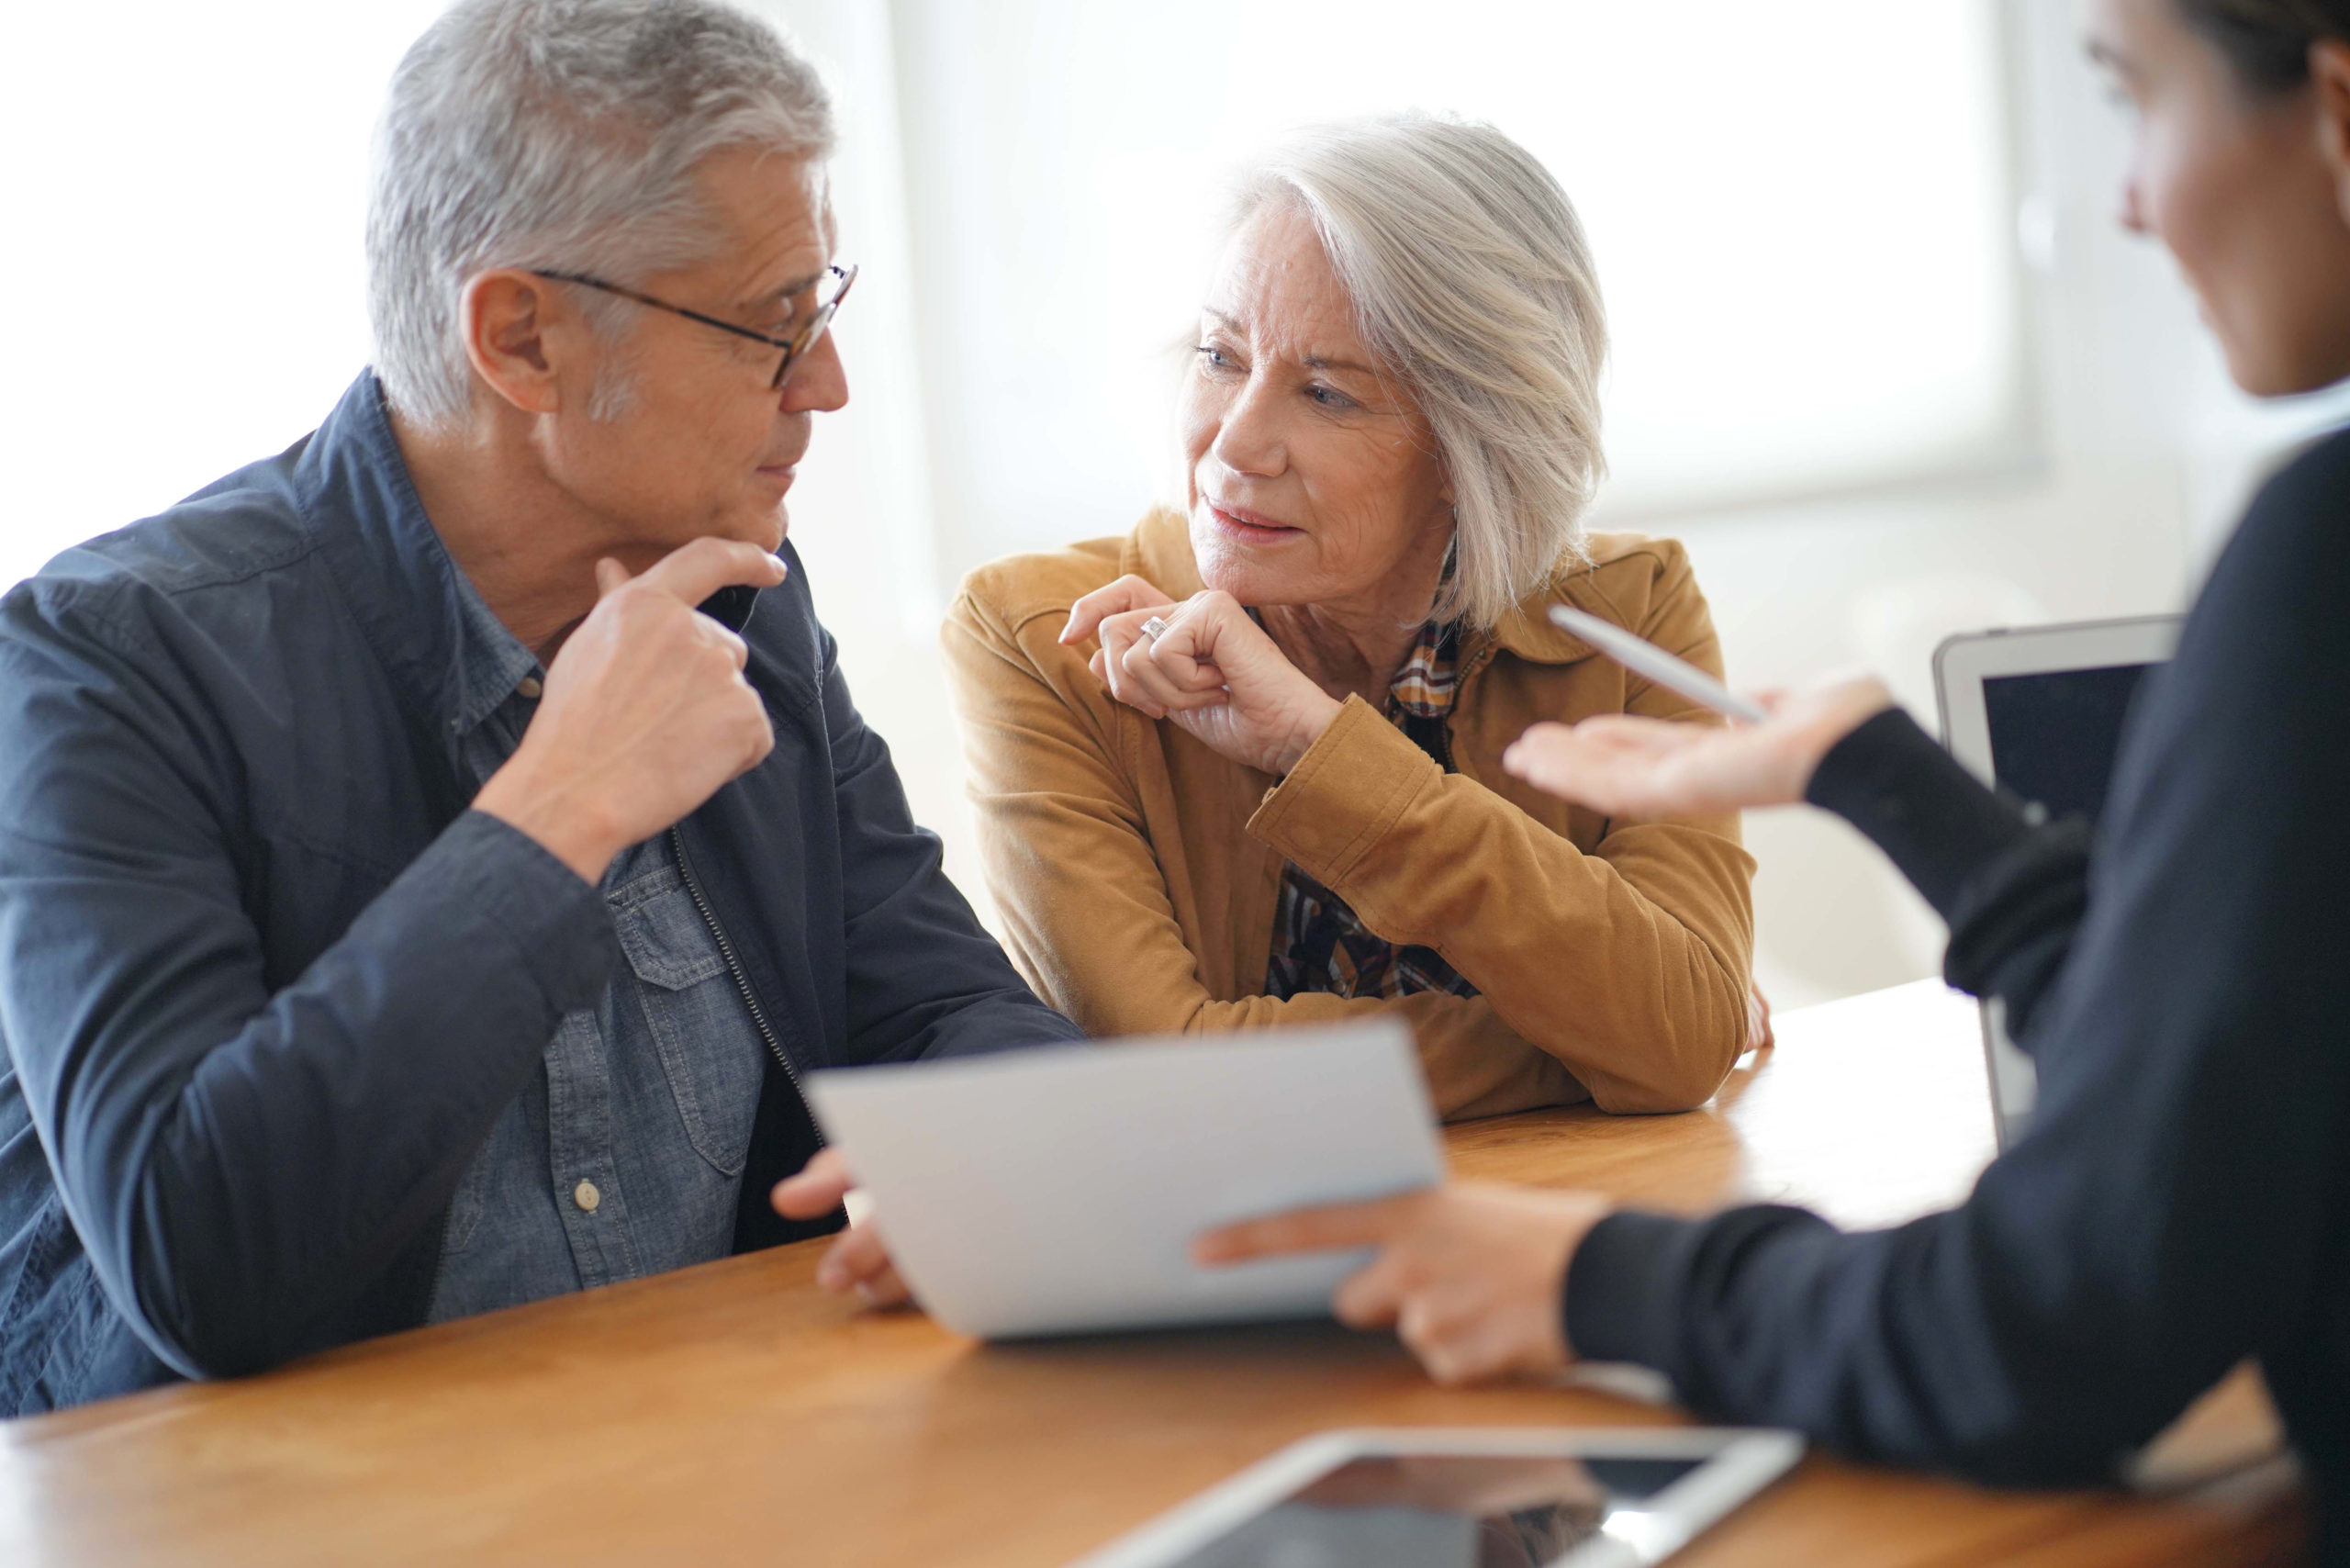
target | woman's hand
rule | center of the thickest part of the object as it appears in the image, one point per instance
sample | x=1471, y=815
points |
x=1625, y=766
x=858, y=1259
x=1212, y=671
x=1471, y=1277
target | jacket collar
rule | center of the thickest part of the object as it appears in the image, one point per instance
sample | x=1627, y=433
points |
x=1526, y=630
x=1159, y=550
x=414, y=606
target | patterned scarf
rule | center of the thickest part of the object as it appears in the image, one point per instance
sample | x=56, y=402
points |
x=1320, y=944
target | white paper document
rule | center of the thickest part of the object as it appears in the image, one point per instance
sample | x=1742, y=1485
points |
x=1059, y=1190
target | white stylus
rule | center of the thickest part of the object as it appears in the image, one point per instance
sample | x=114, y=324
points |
x=1646, y=659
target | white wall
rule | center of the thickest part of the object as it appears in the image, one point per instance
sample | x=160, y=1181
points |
x=189, y=298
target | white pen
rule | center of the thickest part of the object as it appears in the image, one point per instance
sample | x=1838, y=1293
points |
x=1643, y=657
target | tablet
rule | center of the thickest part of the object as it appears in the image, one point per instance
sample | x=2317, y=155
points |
x=2039, y=711
x=1059, y=1190
x=2039, y=708
x=1501, y=1498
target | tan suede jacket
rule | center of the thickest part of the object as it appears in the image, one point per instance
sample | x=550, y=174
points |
x=1137, y=871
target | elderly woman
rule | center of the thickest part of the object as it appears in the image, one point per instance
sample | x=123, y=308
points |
x=1242, y=767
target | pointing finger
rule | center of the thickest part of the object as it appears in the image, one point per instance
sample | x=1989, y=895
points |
x=691, y=573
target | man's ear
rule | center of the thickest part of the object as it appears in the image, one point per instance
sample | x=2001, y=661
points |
x=2329, y=83
x=515, y=326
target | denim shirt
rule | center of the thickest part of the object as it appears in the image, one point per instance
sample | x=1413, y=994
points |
x=622, y=1154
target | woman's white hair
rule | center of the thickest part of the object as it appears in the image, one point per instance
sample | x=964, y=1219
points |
x=564, y=135
x=1472, y=282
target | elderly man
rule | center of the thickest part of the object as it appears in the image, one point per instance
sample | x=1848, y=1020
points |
x=410, y=904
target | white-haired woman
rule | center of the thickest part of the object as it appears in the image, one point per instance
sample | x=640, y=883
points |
x=1242, y=767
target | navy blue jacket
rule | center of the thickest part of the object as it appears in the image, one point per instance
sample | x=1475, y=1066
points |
x=266, y=981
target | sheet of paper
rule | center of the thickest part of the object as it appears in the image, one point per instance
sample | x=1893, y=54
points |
x=1057, y=1190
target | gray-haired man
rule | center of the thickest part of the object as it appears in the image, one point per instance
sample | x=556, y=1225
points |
x=410, y=902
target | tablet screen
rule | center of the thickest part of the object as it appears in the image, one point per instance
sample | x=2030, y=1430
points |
x=2055, y=735
x=1457, y=1510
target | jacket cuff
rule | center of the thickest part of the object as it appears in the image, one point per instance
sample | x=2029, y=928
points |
x=1935, y=820
x=1345, y=794
x=1623, y=1290
x=559, y=927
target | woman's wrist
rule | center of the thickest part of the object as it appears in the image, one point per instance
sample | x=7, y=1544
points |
x=1318, y=713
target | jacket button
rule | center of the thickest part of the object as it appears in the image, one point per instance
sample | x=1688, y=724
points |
x=585, y=1196
x=528, y=688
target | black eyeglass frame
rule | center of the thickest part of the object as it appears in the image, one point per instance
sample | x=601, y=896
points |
x=792, y=346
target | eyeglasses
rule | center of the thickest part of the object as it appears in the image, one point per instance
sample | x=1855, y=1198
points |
x=799, y=342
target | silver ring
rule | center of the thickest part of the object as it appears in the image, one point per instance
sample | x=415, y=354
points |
x=1154, y=628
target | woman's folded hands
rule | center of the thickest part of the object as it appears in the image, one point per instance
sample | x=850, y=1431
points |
x=1206, y=667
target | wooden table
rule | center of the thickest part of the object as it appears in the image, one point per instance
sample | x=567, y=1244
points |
x=733, y=1414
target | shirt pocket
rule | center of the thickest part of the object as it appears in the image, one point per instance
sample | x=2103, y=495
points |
x=710, y=1051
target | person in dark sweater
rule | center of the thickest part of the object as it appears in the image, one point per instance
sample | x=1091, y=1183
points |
x=2182, y=979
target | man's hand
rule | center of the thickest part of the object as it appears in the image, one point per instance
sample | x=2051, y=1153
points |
x=859, y=1260
x=1212, y=671
x=1470, y=1277
x=645, y=715
x=1624, y=765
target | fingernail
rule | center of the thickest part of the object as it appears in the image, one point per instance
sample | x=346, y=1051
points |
x=829, y=1276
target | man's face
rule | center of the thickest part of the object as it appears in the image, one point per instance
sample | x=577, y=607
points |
x=699, y=443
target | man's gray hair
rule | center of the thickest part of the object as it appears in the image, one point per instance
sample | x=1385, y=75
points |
x=564, y=135
x=1472, y=282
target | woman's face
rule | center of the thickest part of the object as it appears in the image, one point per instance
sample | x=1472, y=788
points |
x=2239, y=189
x=1312, y=480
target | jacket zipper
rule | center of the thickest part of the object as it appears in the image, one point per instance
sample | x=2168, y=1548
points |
x=734, y=968
x=439, y=1262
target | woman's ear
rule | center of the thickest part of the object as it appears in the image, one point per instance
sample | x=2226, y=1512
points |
x=2330, y=82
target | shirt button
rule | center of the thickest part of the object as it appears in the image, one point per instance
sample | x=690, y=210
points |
x=528, y=688
x=585, y=1196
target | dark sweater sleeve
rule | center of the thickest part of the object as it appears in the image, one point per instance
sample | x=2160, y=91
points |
x=2013, y=892
x=2172, y=1206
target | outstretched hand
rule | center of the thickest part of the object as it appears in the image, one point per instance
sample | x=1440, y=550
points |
x=1623, y=765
